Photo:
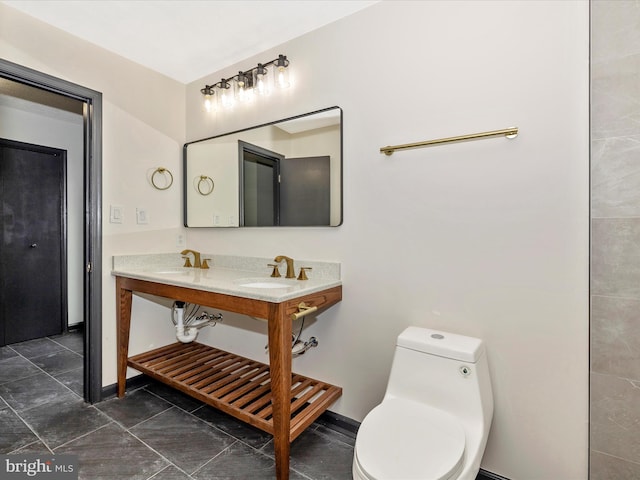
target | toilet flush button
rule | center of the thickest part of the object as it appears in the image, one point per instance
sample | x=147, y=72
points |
x=437, y=336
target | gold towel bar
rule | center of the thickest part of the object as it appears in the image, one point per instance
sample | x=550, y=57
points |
x=507, y=132
x=303, y=310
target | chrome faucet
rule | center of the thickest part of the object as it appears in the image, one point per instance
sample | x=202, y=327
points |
x=196, y=258
x=290, y=270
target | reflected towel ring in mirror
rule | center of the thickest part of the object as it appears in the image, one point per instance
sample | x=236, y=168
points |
x=162, y=171
x=205, y=185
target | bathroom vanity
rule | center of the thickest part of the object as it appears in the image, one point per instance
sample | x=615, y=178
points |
x=269, y=397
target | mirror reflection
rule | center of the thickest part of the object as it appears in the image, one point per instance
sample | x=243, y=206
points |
x=285, y=173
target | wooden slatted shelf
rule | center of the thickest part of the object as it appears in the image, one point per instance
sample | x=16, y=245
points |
x=236, y=385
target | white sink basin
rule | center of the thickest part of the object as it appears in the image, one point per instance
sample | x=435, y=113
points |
x=265, y=285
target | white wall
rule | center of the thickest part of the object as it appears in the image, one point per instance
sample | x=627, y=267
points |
x=485, y=238
x=26, y=122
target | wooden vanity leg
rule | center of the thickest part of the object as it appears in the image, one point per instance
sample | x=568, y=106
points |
x=123, y=324
x=280, y=370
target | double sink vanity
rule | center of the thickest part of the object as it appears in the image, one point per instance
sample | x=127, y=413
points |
x=269, y=397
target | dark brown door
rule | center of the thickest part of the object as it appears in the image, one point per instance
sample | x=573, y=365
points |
x=32, y=241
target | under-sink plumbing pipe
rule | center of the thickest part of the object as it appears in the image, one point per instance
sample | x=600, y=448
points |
x=191, y=332
x=299, y=347
x=187, y=330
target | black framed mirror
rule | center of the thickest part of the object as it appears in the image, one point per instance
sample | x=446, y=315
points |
x=284, y=173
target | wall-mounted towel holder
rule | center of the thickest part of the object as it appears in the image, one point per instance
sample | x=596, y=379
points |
x=163, y=172
x=506, y=132
x=205, y=185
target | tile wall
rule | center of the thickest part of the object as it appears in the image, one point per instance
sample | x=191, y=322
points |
x=615, y=240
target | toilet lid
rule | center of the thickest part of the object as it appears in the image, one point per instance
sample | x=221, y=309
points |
x=401, y=439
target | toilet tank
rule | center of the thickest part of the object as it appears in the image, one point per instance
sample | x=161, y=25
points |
x=443, y=370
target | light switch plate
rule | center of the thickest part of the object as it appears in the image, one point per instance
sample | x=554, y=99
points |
x=116, y=214
x=142, y=217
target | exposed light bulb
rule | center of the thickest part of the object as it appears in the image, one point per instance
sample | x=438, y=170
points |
x=208, y=102
x=261, y=82
x=282, y=74
x=209, y=99
x=283, y=77
x=242, y=87
x=227, y=99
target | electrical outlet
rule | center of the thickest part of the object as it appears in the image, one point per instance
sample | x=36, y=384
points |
x=181, y=241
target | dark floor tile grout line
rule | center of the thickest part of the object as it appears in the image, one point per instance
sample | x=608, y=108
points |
x=252, y=448
x=338, y=438
x=13, y=452
x=85, y=434
x=26, y=341
x=100, y=412
x=55, y=353
x=171, y=405
x=28, y=426
x=48, y=374
x=144, y=387
x=215, y=456
x=22, y=378
x=169, y=466
x=155, y=451
x=65, y=347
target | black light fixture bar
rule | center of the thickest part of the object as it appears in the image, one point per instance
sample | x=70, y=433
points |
x=281, y=61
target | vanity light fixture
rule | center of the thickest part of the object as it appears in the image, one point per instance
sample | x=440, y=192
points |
x=261, y=76
x=282, y=72
x=244, y=86
x=224, y=93
x=208, y=98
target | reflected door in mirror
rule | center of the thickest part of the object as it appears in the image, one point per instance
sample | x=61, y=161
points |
x=305, y=188
x=245, y=193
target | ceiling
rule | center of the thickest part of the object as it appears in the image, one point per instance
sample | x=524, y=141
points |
x=186, y=40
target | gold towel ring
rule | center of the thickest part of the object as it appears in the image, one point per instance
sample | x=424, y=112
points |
x=162, y=171
x=206, y=181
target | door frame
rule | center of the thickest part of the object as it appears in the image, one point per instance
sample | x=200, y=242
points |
x=92, y=117
x=272, y=158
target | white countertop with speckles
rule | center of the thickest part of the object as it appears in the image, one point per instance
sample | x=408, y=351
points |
x=227, y=274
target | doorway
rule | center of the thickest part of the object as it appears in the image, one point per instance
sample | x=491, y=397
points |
x=92, y=202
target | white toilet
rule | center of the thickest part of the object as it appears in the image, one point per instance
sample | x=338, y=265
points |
x=435, y=417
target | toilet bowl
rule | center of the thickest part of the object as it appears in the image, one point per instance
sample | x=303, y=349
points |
x=436, y=413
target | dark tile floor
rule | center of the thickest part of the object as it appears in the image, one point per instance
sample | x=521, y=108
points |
x=154, y=432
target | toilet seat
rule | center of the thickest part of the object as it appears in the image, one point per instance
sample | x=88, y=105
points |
x=403, y=440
